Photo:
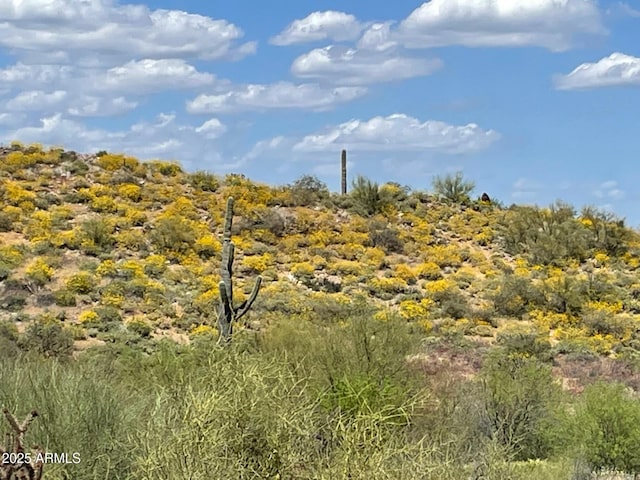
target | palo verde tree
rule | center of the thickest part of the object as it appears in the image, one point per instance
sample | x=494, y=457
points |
x=454, y=189
x=228, y=313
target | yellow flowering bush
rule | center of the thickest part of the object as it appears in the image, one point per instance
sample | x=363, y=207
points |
x=81, y=282
x=15, y=194
x=258, y=263
x=551, y=320
x=321, y=238
x=39, y=271
x=374, y=256
x=387, y=285
x=302, y=270
x=443, y=255
x=413, y=310
x=485, y=237
x=39, y=227
x=601, y=259
x=112, y=299
x=131, y=240
x=155, y=265
x=428, y=271
x=103, y=205
x=88, y=316
x=107, y=268
x=204, y=331
x=11, y=255
x=130, y=191
x=209, y=297
x=13, y=212
x=131, y=269
x=241, y=243
x=208, y=246
x=610, y=308
x=438, y=288
x=350, y=251
x=112, y=162
x=405, y=272
x=346, y=267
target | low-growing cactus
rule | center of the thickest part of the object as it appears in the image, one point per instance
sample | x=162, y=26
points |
x=228, y=313
x=16, y=463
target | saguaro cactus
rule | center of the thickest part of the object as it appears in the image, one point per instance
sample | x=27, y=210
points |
x=228, y=313
x=344, y=172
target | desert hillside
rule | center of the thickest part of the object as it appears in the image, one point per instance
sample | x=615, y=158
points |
x=114, y=247
x=388, y=320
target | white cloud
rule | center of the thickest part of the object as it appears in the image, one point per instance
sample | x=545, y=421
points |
x=34, y=76
x=551, y=24
x=623, y=9
x=277, y=95
x=351, y=66
x=146, y=76
x=96, y=92
x=91, y=106
x=609, y=190
x=98, y=31
x=399, y=132
x=36, y=100
x=212, y=128
x=377, y=37
x=337, y=26
x=615, y=70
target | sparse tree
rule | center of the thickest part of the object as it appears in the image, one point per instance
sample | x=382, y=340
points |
x=453, y=188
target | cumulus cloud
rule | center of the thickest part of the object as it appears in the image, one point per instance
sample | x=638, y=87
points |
x=36, y=100
x=34, y=76
x=212, y=128
x=90, y=106
x=377, y=37
x=148, y=75
x=617, y=69
x=353, y=66
x=105, y=31
x=272, y=96
x=400, y=132
x=337, y=26
x=551, y=24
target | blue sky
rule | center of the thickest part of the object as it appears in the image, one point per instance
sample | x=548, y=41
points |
x=534, y=101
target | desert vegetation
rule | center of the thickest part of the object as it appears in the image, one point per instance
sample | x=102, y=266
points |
x=392, y=333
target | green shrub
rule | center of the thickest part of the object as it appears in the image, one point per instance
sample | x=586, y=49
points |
x=453, y=188
x=140, y=327
x=65, y=298
x=520, y=401
x=528, y=342
x=516, y=295
x=607, y=427
x=383, y=236
x=49, y=338
x=204, y=181
x=308, y=191
x=367, y=197
x=6, y=222
x=5, y=271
